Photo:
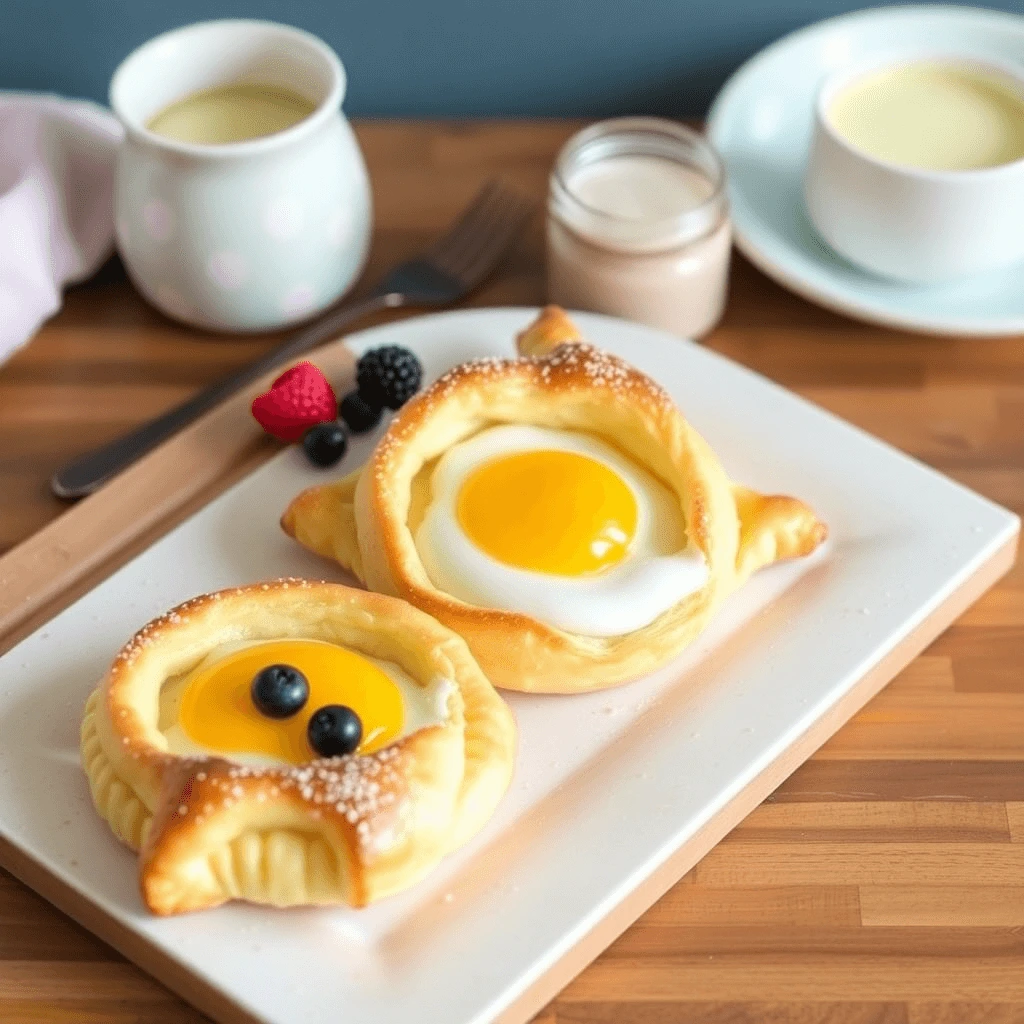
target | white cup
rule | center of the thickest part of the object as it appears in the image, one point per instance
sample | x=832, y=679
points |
x=912, y=224
x=251, y=235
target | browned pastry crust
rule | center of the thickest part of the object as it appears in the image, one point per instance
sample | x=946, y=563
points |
x=349, y=829
x=366, y=521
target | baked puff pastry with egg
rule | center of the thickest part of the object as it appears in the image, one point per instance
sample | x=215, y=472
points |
x=210, y=775
x=555, y=510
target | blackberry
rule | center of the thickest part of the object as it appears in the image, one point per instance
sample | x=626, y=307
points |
x=388, y=376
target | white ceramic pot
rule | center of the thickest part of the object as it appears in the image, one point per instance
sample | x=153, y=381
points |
x=251, y=235
x=912, y=224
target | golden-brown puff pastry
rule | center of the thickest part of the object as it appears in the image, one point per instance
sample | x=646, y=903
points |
x=365, y=521
x=340, y=830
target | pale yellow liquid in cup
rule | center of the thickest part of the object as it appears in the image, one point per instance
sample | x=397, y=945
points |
x=936, y=116
x=231, y=113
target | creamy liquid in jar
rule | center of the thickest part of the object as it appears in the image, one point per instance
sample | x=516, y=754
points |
x=641, y=188
x=933, y=115
x=231, y=113
x=638, y=226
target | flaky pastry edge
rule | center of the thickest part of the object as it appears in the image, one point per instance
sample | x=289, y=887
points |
x=561, y=381
x=341, y=830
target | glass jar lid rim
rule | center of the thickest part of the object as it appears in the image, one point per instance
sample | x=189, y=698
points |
x=639, y=136
x=620, y=130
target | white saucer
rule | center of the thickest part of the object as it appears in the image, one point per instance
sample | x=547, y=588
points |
x=761, y=124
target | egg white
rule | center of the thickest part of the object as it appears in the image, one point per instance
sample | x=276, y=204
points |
x=422, y=706
x=658, y=570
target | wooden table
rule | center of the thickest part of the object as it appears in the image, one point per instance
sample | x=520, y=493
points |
x=882, y=884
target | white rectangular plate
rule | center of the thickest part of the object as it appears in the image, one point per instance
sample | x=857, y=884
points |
x=609, y=788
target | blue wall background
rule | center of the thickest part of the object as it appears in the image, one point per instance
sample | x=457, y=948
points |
x=444, y=57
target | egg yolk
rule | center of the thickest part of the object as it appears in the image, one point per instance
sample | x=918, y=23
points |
x=555, y=512
x=217, y=709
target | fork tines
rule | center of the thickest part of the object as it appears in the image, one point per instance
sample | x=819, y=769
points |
x=480, y=235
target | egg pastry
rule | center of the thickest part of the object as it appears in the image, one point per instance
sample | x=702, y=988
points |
x=293, y=743
x=556, y=511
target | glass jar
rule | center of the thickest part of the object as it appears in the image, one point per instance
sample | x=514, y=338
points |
x=638, y=225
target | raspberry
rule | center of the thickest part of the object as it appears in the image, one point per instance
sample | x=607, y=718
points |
x=300, y=398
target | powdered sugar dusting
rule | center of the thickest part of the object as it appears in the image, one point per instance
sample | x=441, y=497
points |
x=182, y=615
x=360, y=789
x=357, y=788
x=571, y=366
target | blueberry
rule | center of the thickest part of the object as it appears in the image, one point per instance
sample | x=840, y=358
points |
x=388, y=376
x=334, y=730
x=358, y=413
x=325, y=443
x=279, y=691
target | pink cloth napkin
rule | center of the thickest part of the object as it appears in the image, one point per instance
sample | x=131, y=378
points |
x=56, y=204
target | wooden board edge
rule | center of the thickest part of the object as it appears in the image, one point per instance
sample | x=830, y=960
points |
x=180, y=980
x=84, y=577
x=140, y=951
x=604, y=933
x=93, y=538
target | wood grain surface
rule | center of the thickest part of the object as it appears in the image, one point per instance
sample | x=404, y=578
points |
x=883, y=883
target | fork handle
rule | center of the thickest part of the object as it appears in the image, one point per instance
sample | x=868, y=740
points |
x=85, y=474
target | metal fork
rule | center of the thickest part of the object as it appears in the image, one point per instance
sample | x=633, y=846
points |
x=445, y=273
